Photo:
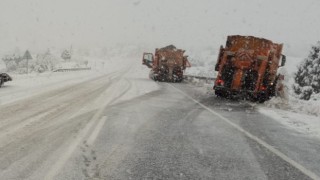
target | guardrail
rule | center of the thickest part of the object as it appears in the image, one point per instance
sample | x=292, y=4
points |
x=71, y=69
x=191, y=77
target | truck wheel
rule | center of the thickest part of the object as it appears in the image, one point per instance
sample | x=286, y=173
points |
x=272, y=89
x=219, y=93
x=177, y=79
x=262, y=98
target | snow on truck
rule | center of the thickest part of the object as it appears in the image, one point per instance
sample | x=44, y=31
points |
x=167, y=64
x=247, y=68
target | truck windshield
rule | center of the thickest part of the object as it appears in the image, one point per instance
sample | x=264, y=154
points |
x=148, y=57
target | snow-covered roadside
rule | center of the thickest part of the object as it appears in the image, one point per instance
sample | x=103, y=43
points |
x=201, y=71
x=311, y=107
x=136, y=79
x=202, y=64
x=302, y=116
x=297, y=114
x=24, y=86
x=305, y=124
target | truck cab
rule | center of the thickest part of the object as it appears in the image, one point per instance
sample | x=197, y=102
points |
x=147, y=59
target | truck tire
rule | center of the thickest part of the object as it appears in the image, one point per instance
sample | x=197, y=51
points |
x=272, y=90
x=177, y=74
x=219, y=93
x=261, y=98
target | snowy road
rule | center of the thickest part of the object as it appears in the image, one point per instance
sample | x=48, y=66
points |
x=122, y=125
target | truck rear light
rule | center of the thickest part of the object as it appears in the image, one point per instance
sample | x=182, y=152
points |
x=263, y=88
x=220, y=82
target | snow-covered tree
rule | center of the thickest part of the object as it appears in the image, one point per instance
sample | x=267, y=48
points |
x=315, y=71
x=66, y=55
x=11, y=66
x=307, y=78
x=45, y=62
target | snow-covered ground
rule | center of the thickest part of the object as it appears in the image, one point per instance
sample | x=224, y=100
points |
x=202, y=63
x=204, y=71
x=303, y=116
x=306, y=124
x=24, y=86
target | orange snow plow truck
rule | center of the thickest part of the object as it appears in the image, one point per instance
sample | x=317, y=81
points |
x=247, y=68
x=167, y=64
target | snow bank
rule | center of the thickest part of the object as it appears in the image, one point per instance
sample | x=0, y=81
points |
x=311, y=107
x=308, y=125
x=24, y=86
x=69, y=65
x=202, y=63
x=207, y=71
x=136, y=79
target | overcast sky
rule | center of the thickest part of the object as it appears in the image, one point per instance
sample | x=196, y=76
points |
x=40, y=24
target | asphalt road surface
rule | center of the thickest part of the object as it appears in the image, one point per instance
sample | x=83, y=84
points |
x=84, y=131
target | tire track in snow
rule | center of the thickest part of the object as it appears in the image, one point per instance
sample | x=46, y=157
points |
x=91, y=128
x=27, y=144
x=42, y=116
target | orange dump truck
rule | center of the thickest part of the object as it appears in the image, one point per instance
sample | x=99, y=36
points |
x=167, y=64
x=247, y=68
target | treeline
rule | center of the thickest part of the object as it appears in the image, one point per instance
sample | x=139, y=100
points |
x=39, y=63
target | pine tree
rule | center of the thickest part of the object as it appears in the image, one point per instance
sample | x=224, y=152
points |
x=315, y=70
x=66, y=55
x=307, y=78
